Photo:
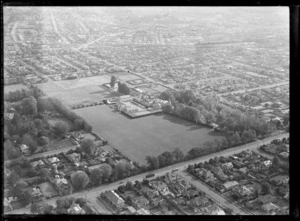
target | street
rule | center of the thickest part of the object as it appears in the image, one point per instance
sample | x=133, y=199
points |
x=90, y=194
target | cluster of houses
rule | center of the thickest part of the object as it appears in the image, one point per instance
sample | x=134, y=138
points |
x=282, y=151
x=240, y=176
x=166, y=195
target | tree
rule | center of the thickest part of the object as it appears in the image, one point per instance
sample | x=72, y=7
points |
x=112, y=81
x=128, y=186
x=121, y=189
x=167, y=96
x=106, y=170
x=61, y=128
x=276, y=161
x=79, y=180
x=47, y=209
x=60, y=203
x=168, y=108
x=13, y=178
x=43, y=140
x=152, y=162
x=122, y=170
x=123, y=88
x=35, y=208
x=29, y=106
x=45, y=173
x=10, y=151
x=79, y=123
x=81, y=201
x=177, y=153
x=169, y=157
x=87, y=146
x=265, y=188
x=96, y=176
x=44, y=104
x=28, y=140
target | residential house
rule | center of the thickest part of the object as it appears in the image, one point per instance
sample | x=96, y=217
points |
x=266, y=199
x=114, y=199
x=206, y=174
x=74, y=157
x=212, y=209
x=243, y=170
x=190, y=193
x=160, y=186
x=229, y=185
x=284, y=155
x=149, y=192
x=269, y=207
x=246, y=190
x=61, y=185
x=53, y=160
x=139, y=202
x=170, y=177
x=25, y=149
x=280, y=180
x=282, y=205
x=38, y=163
x=267, y=163
x=143, y=211
x=177, y=188
x=199, y=201
x=227, y=166
x=36, y=194
x=75, y=209
x=7, y=205
x=131, y=210
x=237, y=164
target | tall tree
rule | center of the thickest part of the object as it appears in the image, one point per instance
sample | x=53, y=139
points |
x=96, y=176
x=106, y=170
x=61, y=128
x=87, y=146
x=177, y=153
x=29, y=106
x=79, y=180
x=112, y=81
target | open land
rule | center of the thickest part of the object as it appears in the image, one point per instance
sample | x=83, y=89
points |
x=147, y=136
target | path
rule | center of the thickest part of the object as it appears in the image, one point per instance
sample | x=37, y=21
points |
x=180, y=166
x=256, y=88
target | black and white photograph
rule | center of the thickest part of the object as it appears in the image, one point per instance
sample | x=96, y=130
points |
x=135, y=110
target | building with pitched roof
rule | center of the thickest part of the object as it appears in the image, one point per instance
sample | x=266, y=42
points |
x=114, y=199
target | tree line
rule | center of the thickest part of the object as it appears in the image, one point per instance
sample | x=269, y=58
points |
x=209, y=109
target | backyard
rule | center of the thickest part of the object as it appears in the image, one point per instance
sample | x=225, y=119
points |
x=146, y=136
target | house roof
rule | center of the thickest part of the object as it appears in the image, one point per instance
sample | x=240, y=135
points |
x=266, y=198
x=131, y=209
x=158, y=184
x=53, y=159
x=113, y=197
x=140, y=200
x=269, y=206
x=60, y=182
x=142, y=211
x=200, y=200
x=215, y=210
x=230, y=184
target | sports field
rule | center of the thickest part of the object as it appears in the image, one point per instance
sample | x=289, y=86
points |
x=146, y=136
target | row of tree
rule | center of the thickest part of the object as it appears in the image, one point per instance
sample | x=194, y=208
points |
x=209, y=109
x=78, y=121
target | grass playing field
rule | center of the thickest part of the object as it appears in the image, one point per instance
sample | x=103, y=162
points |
x=146, y=136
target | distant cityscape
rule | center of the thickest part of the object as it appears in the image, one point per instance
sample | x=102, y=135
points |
x=146, y=110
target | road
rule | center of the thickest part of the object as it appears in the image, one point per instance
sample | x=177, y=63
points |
x=180, y=166
x=256, y=88
x=48, y=153
x=56, y=30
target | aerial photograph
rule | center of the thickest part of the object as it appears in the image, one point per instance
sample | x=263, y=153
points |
x=146, y=110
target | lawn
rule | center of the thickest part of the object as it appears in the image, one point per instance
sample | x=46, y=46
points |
x=14, y=87
x=145, y=136
x=48, y=190
x=58, y=144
